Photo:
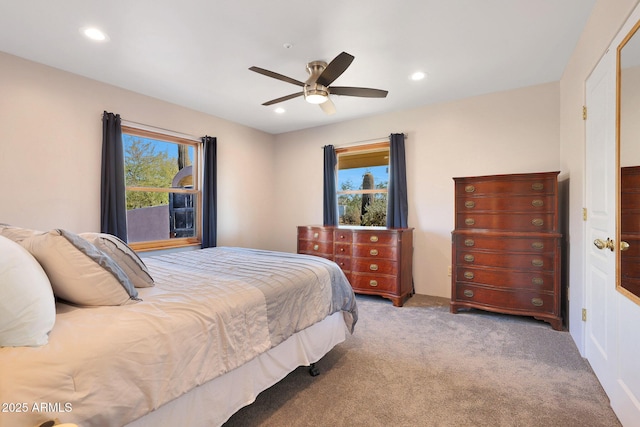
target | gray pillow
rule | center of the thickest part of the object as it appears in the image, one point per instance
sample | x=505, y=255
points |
x=17, y=234
x=123, y=255
x=79, y=272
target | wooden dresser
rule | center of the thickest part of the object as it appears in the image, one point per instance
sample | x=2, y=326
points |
x=630, y=228
x=377, y=261
x=506, y=246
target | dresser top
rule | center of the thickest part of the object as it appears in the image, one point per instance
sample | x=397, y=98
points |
x=356, y=227
x=510, y=177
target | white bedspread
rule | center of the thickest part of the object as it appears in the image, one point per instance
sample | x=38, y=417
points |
x=210, y=311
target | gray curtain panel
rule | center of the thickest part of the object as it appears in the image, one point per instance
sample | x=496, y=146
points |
x=330, y=204
x=209, y=193
x=113, y=208
x=397, y=205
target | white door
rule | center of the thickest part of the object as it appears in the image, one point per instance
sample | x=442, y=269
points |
x=600, y=226
x=612, y=341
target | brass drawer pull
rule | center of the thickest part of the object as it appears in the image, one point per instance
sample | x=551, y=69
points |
x=373, y=239
x=537, y=262
x=373, y=283
x=341, y=249
x=537, y=245
x=468, y=293
x=537, y=302
x=373, y=267
x=537, y=186
x=469, y=221
x=468, y=275
x=469, y=242
x=537, y=281
x=469, y=258
x=538, y=222
x=316, y=235
x=342, y=236
x=469, y=188
x=470, y=204
x=373, y=252
x=316, y=247
x=537, y=203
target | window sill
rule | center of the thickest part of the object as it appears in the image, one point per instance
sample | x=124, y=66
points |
x=164, y=244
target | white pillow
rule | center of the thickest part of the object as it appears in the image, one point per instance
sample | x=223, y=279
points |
x=123, y=255
x=79, y=272
x=27, y=305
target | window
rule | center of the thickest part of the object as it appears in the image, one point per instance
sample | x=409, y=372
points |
x=363, y=178
x=163, y=192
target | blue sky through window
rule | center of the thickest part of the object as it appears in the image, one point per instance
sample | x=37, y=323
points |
x=380, y=174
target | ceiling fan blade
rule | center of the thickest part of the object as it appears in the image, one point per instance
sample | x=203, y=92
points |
x=358, y=91
x=276, y=76
x=335, y=68
x=328, y=107
x=284, y=98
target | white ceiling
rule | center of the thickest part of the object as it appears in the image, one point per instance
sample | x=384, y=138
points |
x=196, y=53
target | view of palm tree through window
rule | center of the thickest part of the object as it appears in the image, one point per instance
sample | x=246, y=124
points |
x=158, y=179
x=362, y=195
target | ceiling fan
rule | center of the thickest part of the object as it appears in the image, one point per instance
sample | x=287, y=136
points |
x=317, y=88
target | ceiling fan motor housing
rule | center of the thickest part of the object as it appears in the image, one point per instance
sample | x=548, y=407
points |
x=315, y=93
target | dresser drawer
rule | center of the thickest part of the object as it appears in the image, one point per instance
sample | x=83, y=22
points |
x=324, y=249
x=342, y=236
x=374, y=266
x=629, y=200
x=378, y=238
x=375, y=251
x=343, y=262
x=536, y=262
x=343, y=249
x=371, y=282
x=511, y=279
x=633, y=239
x=512, y=186
x=315, y=234
x=528, y=203
x=509, y=221
x=504, y=243
x=629, y=220
x=506, y=299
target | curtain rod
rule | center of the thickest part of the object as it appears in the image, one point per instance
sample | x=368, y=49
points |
x=170, y=132
x=383, y=138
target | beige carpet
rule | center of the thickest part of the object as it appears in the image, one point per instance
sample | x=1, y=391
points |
x=419, y=365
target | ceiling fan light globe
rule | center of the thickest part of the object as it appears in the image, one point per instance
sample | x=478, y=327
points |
x=316, y=94
x=316, y=98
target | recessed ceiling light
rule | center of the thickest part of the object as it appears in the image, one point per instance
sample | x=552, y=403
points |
x=418, y=75
x=94, y=34
x=280, y=110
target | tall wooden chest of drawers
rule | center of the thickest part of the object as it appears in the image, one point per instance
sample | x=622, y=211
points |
x=630, y=228
x=377, y=261
x=506, y=245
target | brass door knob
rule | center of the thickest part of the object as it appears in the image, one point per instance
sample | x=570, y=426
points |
x=624, y=245
x=601, y=244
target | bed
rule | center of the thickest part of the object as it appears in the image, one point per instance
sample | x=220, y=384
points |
x=213, y=329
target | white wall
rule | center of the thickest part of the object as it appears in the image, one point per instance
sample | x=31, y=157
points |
x=604, y=23
x=507, y=132
x=50, y=152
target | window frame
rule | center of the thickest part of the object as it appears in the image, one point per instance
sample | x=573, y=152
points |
x=176, y=242
x=363, y=148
